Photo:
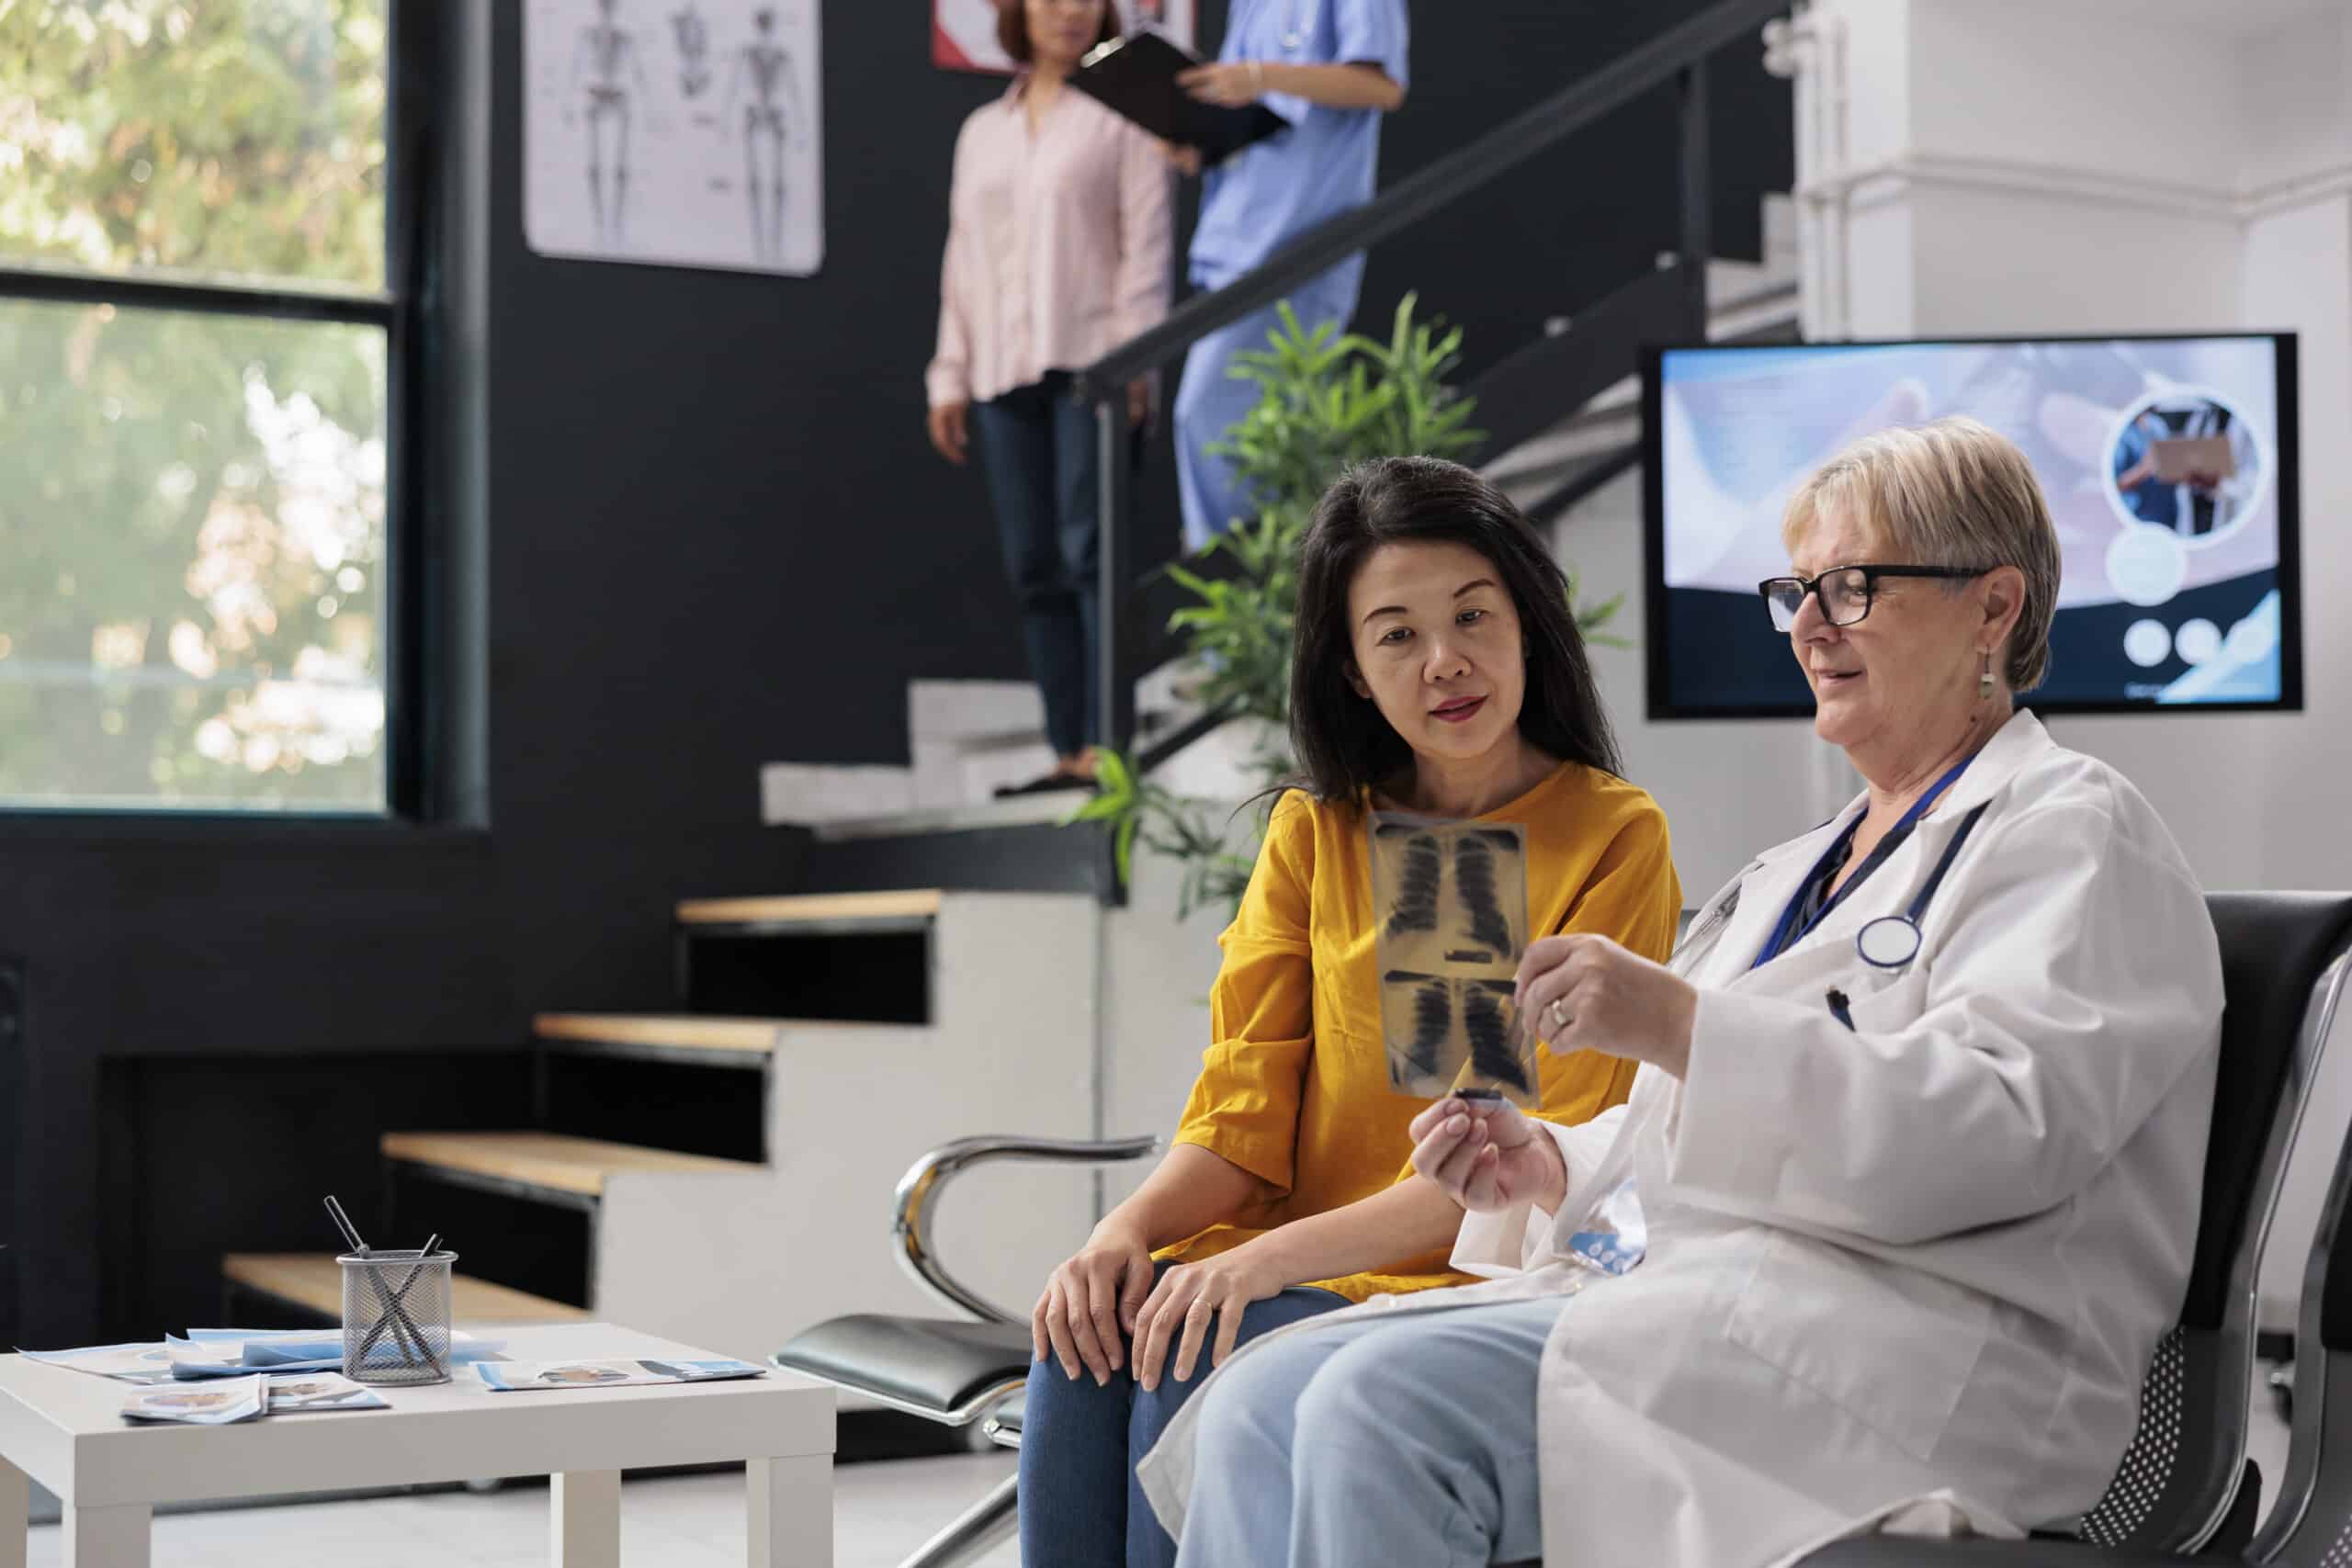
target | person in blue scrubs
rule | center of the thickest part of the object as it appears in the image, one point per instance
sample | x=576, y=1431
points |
x=1332, y=68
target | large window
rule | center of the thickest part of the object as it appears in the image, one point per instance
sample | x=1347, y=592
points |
x=199, y=373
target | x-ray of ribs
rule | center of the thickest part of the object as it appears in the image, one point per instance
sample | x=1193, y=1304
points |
x=1491, y=1054
x=1417, y=888
x=1433, y=1020
x=1473, y=882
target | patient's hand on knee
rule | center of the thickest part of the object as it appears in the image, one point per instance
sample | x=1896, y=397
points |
x=1191, y=1302
x=1090, y=1303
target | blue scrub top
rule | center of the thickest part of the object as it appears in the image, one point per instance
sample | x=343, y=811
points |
x=1255, y=201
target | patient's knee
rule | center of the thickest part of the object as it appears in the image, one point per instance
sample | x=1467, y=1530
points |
x=1053, y=1393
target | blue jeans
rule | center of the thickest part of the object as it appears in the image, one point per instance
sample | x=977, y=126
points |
x=1210, y=402
x=1037, y=449
x=1081, y=1506
x=1424, y=1446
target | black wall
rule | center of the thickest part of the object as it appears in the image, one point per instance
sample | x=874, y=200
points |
x=681, y=523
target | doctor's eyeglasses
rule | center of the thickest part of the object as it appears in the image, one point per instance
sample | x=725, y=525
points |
x=1844, y=593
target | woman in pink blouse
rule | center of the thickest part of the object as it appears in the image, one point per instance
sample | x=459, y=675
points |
x=1057, y=250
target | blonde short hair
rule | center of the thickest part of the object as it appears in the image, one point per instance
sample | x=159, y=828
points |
x=1956, y=492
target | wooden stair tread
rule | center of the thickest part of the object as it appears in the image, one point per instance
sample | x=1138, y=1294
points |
x=814, y=909
x=315, y=1280
x=553, y=1160
x=682, y=1031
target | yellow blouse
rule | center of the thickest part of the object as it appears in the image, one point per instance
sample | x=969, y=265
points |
x=1294, y=1089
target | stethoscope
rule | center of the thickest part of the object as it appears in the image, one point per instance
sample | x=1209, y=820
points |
x=1890, y=941
x=1293, y=34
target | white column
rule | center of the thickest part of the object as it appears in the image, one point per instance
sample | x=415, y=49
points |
x=106, y=1538
x=791, y=1514
x=585, y=1520
x=15, y=1507
x=2298, y=275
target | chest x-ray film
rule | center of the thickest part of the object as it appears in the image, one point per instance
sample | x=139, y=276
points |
x=1450, y=899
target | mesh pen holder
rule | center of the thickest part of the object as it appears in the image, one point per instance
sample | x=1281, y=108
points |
x=396, y=1316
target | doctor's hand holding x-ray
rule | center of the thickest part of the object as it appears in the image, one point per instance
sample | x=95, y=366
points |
x=1585, y=993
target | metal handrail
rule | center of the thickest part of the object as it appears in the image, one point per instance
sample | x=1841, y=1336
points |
x=1676, y=57
x=1457, y=174
x=918, y=1190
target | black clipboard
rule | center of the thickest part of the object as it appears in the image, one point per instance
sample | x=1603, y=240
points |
x=1135, y=77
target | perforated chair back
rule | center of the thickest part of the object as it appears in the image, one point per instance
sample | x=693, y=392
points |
x=2311, y=1524
x=2280, y=959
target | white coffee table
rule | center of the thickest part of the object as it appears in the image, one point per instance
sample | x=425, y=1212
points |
x=65, y=1429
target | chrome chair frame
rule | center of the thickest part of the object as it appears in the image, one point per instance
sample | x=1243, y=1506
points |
x=915, y=1208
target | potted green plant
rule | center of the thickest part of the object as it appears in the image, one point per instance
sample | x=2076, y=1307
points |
x=1324, y=399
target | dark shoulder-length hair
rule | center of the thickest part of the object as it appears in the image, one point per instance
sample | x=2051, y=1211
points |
x=1341, y=741
x=1012, y=27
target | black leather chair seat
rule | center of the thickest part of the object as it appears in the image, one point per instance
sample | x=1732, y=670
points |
x=934, y=1364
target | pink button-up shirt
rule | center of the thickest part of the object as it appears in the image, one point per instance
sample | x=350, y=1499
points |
x=1057, y=244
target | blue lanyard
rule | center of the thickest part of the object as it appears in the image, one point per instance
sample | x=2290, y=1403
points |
x=1792, y=928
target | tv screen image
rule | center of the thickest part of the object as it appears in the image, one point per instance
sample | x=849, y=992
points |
x=2169, y=464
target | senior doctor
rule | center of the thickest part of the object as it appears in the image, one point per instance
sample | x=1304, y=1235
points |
x=1906, y=1193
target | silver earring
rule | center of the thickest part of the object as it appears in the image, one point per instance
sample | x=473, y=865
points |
x=1984, y=682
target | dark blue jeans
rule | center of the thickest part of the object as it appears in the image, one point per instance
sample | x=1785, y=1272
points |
x=1037, y=448
x=1080, y=1504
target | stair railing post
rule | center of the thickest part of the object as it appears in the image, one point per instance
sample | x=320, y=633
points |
x=1114, y=680
x=1697, y=192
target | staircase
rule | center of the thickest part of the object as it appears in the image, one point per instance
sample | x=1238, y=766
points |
x=965, y=737
x=719, y=1172
x=1747, y=302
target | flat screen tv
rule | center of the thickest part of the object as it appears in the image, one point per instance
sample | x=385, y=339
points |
x=2170, y=463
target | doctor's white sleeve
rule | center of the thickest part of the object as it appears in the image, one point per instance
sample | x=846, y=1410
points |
x=1517, y=1240
x=2077, y=980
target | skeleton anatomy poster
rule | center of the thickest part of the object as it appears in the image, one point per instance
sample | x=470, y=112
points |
x=963, y=32
x=681, y=132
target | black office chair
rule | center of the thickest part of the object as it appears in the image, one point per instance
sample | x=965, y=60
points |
x=954, y=1371
x=2186, y=1487
x=2311, y=1524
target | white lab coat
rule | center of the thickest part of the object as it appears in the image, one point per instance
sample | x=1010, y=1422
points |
x=1927, y=1257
